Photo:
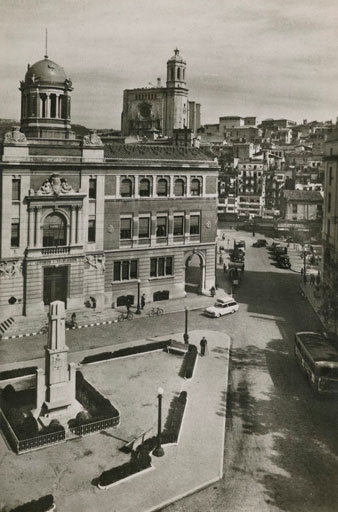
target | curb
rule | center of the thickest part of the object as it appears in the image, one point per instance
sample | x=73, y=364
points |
x=105, y=322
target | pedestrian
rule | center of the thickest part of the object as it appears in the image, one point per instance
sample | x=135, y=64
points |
x=312, y=279
x=212, y=291
x=128, y=304
x=203, y=344
x=143, y=301
x=224, y=268
x=221, y=260
x=318, y=279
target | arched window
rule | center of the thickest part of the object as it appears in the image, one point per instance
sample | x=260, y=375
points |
x=179, y=187
x=144, y=187
x=179, y=74
x=172, y=74
x=126, y=188
x=183, y=74
x=195, y=187
x=162, y=187
x=54, y=230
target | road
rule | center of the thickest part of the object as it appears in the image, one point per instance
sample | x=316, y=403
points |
x=281, y=446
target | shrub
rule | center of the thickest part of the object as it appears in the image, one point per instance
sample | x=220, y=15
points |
x=8, y=394
x=15, y=418
x=190, y=360
x=41, y=505
x=29, y=428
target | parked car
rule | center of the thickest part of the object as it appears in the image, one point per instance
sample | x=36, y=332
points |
x=237, y=256
x=222, y=306
x=279, y=251
x=283, y=261
x=261, y=242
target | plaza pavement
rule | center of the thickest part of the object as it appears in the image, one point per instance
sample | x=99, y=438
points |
x=196, y=462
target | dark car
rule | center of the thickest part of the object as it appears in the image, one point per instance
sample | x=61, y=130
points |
x=283, y=261
x=261, y=242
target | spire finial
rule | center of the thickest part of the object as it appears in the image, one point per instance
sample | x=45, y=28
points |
x=46, y=43
x=177, y=51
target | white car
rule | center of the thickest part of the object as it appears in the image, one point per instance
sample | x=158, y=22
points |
x=222, y=307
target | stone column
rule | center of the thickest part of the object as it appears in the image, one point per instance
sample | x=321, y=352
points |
x=188, y=186
x=72, y=225
x=203, y=186
x=79, y=226
x=118, y=178
x=171, y=186
x=47, y=110
x=38, y=226
x=31, y=227
x=154, y=186
x=136, y=191
x=57, y=112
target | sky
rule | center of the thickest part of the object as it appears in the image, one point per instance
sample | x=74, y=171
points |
x=268, y=58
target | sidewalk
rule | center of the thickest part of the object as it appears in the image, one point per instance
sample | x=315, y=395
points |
x=316, y=301
x=196, y=462
x=25, y=326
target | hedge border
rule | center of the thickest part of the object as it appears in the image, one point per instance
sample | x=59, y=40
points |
x=124, y=352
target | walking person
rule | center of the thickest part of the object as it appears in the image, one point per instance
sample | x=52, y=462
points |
x=143, y=301
x=203, y=344
x=128, y=304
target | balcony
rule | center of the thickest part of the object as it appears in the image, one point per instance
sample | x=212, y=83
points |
x=55, y=250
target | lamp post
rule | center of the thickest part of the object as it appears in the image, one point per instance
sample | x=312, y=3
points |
x=304, y=268
x=186, y=335
x=138, y=310
x=158, y=450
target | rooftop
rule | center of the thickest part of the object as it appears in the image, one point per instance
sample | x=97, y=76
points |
x=303, y=195
x=149, y=152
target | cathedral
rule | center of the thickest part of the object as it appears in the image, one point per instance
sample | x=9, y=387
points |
x=157, y=111
x=90, y=223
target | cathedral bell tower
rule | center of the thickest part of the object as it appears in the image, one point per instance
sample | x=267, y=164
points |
x=45, y=101
x=177, y=94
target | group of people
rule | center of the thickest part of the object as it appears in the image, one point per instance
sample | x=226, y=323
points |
x=129, y=302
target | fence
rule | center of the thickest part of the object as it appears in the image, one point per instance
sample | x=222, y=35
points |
x=35, y=443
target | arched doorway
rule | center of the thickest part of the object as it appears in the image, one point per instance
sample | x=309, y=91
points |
x=194, y=273
x=54, y=230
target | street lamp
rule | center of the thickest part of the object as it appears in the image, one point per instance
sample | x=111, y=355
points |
x=304, y=268
x=158, y=450
x=186, y=335
x=138, y=310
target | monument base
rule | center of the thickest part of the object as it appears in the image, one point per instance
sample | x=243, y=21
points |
x=63, y=415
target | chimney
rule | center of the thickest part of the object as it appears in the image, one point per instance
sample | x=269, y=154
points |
x=158, y=82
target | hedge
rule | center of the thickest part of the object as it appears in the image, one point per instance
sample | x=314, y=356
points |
x=18, y=372
x=190, y=360
x=41, y=505
x=128, y=351
x=98, y=407
x=140, y=460
x=173, y=423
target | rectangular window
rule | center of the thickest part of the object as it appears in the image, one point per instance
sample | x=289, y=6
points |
x=125, y=270
x=194, y=224
x=161, y=228
x=330, y=175
x=160, y=267
x=144, y=227
x=15, y=189
x=15, y=233
x=294, y=208
x=329, y=202
x=91, y=230
x=178, y=225
x=125, y=233
x=92, y=188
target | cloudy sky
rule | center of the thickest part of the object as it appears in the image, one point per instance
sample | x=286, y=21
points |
x=269, y=58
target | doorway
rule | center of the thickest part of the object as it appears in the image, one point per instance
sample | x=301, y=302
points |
x=193, y=274
x=55, y=284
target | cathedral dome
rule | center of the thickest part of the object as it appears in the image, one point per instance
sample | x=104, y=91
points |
x=46, y=71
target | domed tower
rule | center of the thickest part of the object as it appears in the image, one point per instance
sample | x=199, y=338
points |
x=176, y=70
x=177, y=94
x=45, y=101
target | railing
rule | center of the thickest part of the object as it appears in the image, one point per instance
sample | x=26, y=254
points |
x=35, y=443
x=56, y=250
x=90, y=428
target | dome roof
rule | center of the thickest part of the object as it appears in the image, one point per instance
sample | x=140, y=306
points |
x=177, y=57
x=46, y=71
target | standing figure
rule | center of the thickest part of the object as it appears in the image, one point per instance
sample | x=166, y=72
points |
x=143, y=301
x=203, y=344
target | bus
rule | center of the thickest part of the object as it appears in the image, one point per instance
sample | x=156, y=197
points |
x=319, y=361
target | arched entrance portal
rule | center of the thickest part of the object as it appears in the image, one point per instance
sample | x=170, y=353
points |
x=194, y=273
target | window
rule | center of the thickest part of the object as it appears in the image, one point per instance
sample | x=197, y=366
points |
x=91, y=229
x=144, y=227
x=54, y=231
x=161, y=227
x=179, y=187
x=330, y=175
x=125, y=270
x=328, y=227
x=126, y=188
x=195, y=187
x=15, y=233
x=125, y=232
x=329, y=202
x=162, y=187
x=15, y=189
x=144, y=188
x=294, y=208
x=92, y=188
x=179, y=225
x=160, y=267
x=194, y=224
x=179, y=74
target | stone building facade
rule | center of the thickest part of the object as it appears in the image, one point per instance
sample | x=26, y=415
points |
x=90, y=224
x=160, y=110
